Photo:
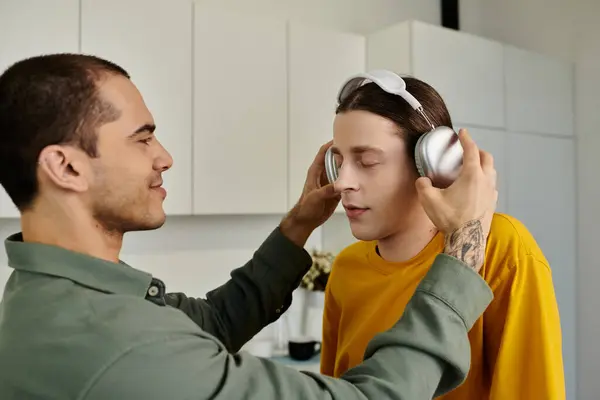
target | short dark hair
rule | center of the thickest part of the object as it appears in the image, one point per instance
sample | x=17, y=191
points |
x=45, y=100
x=411, y=124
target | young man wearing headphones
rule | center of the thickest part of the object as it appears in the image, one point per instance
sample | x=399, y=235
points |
x=516, y=350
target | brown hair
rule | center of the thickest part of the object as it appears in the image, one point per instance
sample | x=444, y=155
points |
x=46, y=100
x=411, y=124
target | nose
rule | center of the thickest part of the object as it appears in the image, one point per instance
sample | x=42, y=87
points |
x=163, y=160
x=346, y=180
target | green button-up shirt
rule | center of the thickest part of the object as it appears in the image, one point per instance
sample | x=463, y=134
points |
x=77, y=327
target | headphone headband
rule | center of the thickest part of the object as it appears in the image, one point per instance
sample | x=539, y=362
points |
x=388, y=81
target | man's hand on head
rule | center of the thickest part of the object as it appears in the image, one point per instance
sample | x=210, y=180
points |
x=464, y=210
x=317, y=202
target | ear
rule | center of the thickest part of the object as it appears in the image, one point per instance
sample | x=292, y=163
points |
x=65, y=166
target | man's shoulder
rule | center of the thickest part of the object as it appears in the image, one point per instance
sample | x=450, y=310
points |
x=510, y=247
x=61, y=305
x=56, y=327
x=506, y=223
x=49, y=325
x=509, y=232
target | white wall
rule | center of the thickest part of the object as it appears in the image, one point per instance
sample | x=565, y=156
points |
x=545, y=26
x=586, y=43
x=566, y=29
x=360, y=16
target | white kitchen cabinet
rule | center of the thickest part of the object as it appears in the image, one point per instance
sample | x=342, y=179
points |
x=30, y=28
x=539, y=93
x=542, y=194
x=152, y=40
x=494, y=141
x=319, y=61
x=465, y=69
x=240, y=114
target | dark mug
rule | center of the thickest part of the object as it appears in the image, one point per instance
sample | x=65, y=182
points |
x=303, y=349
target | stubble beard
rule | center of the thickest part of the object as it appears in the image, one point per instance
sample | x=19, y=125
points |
x=118, y=214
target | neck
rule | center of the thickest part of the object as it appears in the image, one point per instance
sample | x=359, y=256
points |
x=408, y=241
x=72, y=230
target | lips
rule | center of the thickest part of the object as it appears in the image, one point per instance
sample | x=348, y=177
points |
x=160, y=190
x=353, y=211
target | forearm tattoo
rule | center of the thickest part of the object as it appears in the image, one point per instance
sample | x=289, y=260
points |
x=467, y=243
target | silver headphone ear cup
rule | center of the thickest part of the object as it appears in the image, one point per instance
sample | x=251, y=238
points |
x=438, y=156
x=419, y=156
x=330, y=166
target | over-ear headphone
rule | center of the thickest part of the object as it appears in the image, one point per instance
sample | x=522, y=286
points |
x=438, y=153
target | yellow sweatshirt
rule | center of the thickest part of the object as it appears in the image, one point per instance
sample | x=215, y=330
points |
x=516, y=350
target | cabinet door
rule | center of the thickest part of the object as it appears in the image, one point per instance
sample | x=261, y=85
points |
x=466, y=70
x=494, y=142
x=539, y=93
x=390, y=48
x=240, y=111
x=541, y=193
x=152, y=40
x=51, y=27
x=319, y=62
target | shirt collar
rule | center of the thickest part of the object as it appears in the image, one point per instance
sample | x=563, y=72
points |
x=105, y=276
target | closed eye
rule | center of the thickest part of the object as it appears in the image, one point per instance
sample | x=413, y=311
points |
x=368, y=164
x=367, y=161
x=362, y=160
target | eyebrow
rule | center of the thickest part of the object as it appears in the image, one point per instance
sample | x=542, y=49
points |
x=146, y=128
x=358, y=150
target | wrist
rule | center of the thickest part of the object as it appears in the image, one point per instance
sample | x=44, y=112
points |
x=467, y=244
x=295, y=230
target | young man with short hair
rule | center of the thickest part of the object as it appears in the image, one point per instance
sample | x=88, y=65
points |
x=516, y=345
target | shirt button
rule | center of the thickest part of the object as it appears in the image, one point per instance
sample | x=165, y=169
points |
x=152, y=291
